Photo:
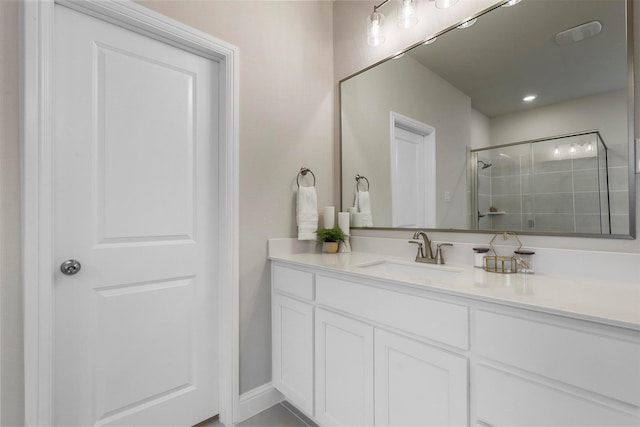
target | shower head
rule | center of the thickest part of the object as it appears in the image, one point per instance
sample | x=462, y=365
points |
x=485, y=165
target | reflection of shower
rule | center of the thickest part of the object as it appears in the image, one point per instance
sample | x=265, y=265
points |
x=485, y=165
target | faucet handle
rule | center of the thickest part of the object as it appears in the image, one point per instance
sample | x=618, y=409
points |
x=420, y=250
x=439, y=259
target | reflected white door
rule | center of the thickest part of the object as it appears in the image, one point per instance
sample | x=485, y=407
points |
x=413, y=173
x=136, y=329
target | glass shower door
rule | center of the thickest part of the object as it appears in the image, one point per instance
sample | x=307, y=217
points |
x=558, y=184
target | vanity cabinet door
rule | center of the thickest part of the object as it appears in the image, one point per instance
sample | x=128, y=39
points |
x=417, y=384
x=344, y=371
x=292, y=337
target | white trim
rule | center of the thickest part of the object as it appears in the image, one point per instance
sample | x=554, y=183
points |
x=37, y=125
x=429, y=134
x=257, y=400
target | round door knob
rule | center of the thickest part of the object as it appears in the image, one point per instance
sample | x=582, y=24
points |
x=70, y=267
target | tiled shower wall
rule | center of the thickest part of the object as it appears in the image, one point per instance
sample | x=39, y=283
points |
x=560, y=196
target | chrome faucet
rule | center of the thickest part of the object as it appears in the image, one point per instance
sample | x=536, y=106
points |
x=424, y=247
x=425, y=253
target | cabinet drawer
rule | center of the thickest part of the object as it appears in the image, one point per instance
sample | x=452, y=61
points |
x=509, y=400
x=292, y=281
x=436, y=320
x=598, y=363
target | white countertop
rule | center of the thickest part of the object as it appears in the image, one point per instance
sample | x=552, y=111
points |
x=611, y=302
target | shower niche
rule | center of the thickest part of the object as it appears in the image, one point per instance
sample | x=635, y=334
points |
x=558, y=184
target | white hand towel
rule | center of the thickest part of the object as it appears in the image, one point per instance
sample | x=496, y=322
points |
x=364, y=206
x=307, y=213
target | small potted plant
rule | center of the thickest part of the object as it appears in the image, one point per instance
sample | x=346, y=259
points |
x=330, y=238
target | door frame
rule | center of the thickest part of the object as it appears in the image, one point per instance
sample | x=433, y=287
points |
x=37, y=123
x=397, y=120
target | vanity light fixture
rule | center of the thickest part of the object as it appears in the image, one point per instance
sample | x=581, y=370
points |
x=556, y=151
x=529, y=98
x=468, y=23
x=375, y=34
x=573, y=148
x=407, y=17
x=407, y=13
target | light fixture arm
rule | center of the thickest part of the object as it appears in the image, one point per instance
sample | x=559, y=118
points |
x=375, y=8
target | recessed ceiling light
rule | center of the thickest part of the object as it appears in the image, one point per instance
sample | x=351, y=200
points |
x=468, y=23
x=431, y=40
x=511, y=3
x=529, y=98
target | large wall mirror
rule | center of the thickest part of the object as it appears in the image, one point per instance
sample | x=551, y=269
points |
x=521, y=121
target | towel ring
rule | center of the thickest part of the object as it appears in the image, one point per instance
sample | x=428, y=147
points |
x=360, y=177
x=303, y=172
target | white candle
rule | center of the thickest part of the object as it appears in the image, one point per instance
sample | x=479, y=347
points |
x=329, y=215
x=343, y=221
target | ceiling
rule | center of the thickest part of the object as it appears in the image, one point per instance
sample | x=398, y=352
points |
x=511, y=52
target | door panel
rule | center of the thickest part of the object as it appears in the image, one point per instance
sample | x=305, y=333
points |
x=135, y=208
x=131, y=351
x=408, y=189
x=136, y=203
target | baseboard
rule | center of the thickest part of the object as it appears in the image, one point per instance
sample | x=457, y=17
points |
x=257, y=400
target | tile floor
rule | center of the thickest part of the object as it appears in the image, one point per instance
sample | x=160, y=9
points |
x=280, y=415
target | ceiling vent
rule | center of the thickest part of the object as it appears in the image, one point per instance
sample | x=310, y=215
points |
x=579, y=33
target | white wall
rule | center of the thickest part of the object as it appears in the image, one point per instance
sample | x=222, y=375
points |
x=605, y=112
x=351, y=53
x=480, y=130
x=286, y=122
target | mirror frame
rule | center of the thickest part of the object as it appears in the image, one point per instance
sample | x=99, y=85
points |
x=630, y=135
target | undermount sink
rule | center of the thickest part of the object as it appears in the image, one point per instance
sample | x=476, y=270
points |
x=409, y=270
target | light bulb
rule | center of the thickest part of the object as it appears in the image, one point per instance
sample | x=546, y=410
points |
x=589, y=147
x=407, y=13
x=556, y=151
x=511, y=3
x=572, y=149
x=375, y=35
x=468, y=23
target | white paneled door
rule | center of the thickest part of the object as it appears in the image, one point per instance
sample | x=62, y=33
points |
x=135, y=203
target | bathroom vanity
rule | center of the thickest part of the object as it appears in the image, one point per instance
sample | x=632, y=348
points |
x=362, y=339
